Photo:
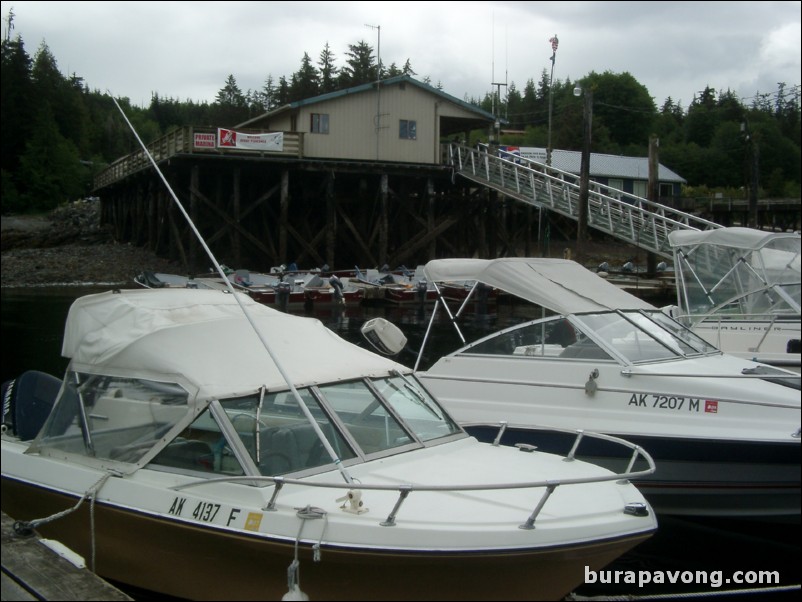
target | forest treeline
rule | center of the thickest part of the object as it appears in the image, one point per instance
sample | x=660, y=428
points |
x=57, y=132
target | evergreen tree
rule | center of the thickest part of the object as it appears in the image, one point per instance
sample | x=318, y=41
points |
x=305, y=81
x=514, y=112
x=283, y=92
x=59, y=126
x=230, y=107
x=360, y=66
x=327, y=70
x=230, y=95
x=267, y=96
x=393, y=71
x=50, y=166
x=16, y=97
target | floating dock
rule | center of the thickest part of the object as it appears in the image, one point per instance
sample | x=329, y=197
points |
x=34, y=571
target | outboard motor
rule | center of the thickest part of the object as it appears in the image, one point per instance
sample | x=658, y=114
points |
x=421, y=288
x=385, y=336
x=283, y=293
x=27, y=401
x=337, y=285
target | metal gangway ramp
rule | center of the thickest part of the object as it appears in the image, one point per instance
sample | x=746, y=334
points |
x=629, y=218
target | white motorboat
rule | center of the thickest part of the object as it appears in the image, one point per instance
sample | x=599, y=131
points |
x=724, y=431
x=228, y=451
x=739, y=288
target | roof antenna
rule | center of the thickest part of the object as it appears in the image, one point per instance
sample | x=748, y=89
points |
x=279, y=367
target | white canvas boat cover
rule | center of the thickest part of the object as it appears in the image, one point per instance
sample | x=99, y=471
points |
x=560, y=285
x=741, y=238
x=204, y=336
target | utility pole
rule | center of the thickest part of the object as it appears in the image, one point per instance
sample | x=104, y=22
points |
x=752, y=169
x=378, y=29
x=554, y=43
x=497, y=110
x=584, y=173
x=653, y=194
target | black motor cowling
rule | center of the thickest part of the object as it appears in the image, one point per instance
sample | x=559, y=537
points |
x=27, y=401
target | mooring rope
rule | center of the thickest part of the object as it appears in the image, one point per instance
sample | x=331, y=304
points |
x=28, y=527
x=293, y=571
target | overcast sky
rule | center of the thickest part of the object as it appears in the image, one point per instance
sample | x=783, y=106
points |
x=186, y=50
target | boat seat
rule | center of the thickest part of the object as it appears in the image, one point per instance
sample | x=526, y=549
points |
x=150, y=280
x=190, y=454
x=279, y=451
x=288, y=448
x=585, y=351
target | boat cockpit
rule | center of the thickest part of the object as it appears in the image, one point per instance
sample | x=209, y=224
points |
x=128, y=423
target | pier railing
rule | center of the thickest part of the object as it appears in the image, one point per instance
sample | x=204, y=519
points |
x=190, y=140
x=630, y=218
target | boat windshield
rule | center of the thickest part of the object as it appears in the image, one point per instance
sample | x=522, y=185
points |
x=136, y=421
x=110, y=417
x=628, y=336
x=739, y=283
x=642, y=337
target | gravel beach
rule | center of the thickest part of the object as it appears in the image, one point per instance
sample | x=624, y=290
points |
x=68, y=247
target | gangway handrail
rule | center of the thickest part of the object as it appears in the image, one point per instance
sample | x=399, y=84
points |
x=636, y=220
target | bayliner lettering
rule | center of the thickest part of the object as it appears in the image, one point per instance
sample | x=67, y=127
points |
x=665, y=402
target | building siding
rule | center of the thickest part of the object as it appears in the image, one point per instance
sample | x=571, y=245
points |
x=352, y=132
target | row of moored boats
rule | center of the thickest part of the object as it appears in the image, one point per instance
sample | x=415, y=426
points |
x=227, y=450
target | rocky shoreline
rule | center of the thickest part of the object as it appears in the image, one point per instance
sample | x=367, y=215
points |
x=68, y=247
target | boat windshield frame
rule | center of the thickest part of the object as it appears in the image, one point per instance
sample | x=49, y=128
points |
x=127, y=423
x=668, y=340
x=653, y=337
x=730, y=282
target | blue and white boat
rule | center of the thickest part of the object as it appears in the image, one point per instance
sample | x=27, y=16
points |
x=724, y=431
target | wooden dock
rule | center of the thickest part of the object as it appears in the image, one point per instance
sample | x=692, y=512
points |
x=33, y=571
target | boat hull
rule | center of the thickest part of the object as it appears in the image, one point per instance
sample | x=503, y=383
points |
x=722, y=446
x=204, y=563
x=770, y=342
x=694, y=477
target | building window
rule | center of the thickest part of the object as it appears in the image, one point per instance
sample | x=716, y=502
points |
x=640, y=188
x=408, y=129
x=320, y=123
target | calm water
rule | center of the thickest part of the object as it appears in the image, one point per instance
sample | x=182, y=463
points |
x=32, y=328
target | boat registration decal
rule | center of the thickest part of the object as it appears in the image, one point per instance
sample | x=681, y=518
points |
x=177, y=506
x=254, y=521
x=672, y=402
x=206, y=512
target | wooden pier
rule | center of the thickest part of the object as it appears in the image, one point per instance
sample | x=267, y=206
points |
x=33, y=571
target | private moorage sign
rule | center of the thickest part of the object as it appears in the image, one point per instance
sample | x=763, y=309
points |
x=262, y=142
